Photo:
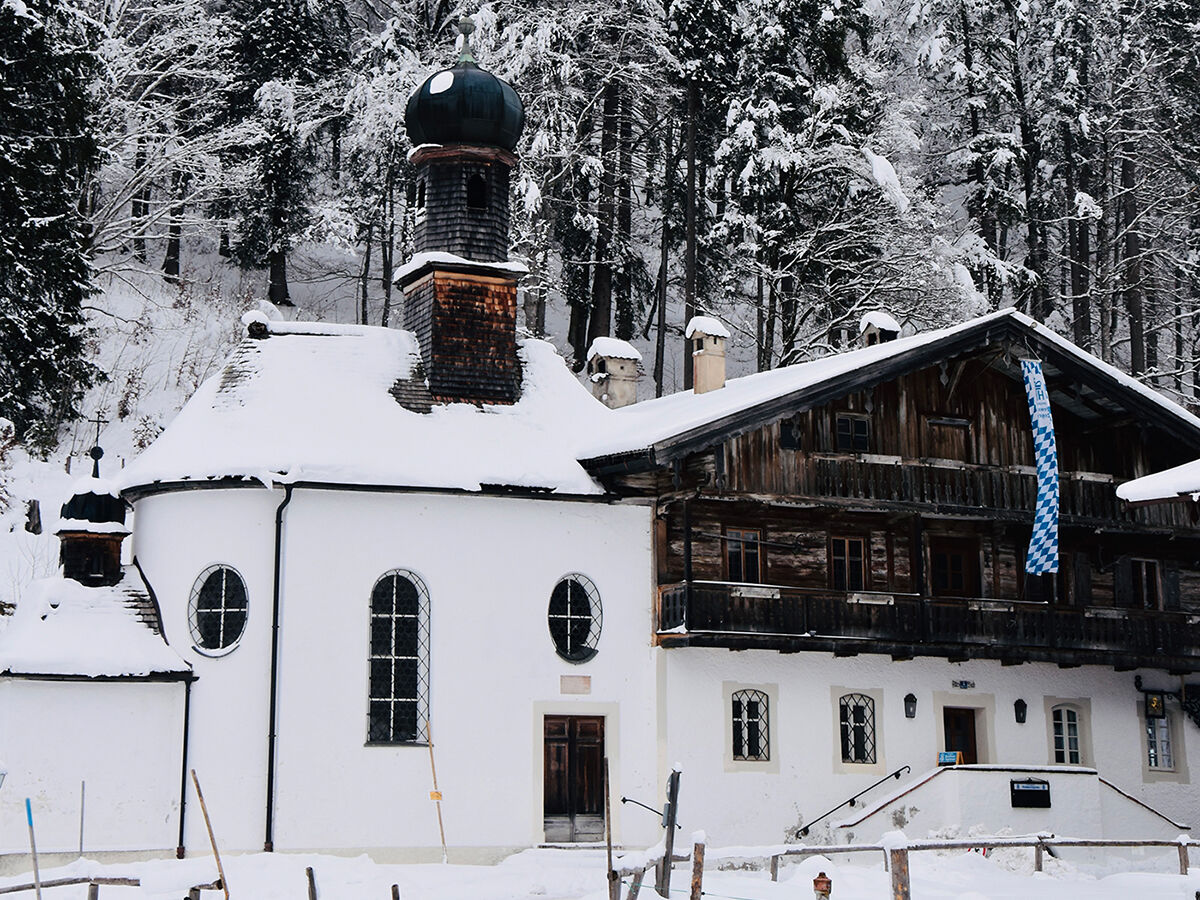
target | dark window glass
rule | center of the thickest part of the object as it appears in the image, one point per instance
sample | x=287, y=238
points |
x=847, y=564
x=751, y=726
x=217, y=609
x=398, y=686
x=953, y=568
x=743, y=556
x=853, y=434
x=575, y=618
x=421, y=194
x=476, y=192
x=857, y=720
x=1145, y=583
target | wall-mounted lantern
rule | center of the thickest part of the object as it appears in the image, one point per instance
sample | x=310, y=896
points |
x=910, y=706
x=1156, y=705
x=822, y=886
x=1020, y=709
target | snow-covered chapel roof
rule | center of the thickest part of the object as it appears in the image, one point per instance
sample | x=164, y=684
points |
x=62, y=628
x=315, y=402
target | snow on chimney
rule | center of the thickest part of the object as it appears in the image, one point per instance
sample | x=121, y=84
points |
x=707, y=337
x=612, y=366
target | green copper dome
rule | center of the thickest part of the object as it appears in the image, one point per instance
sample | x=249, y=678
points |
x=465, y=105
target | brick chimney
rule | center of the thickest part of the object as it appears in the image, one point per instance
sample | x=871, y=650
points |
x=460, y=292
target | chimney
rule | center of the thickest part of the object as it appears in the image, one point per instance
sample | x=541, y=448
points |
x=460, y=291
x=707, y=337
x=612, y=367
x=877, y=327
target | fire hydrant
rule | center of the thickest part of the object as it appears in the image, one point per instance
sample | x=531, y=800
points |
x=822, y=886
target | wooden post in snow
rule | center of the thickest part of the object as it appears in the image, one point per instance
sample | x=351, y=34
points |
x=697, y=867
x=614, y=882
x=899, y=866
x=436, y=795
x=662, y=882
x=312, y=882
x=1183, y=857
x=211, y=839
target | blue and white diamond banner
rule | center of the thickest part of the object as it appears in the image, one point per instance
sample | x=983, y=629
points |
x=1043, y=545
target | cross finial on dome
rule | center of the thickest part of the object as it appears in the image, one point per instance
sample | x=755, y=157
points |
x=466, y=26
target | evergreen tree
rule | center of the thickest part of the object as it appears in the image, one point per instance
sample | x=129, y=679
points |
x=47, y=148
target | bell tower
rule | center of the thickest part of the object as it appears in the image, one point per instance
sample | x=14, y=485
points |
x=460, y=291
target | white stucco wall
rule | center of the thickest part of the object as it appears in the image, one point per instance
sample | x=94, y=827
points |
x=122, y=739
x=490, y=564
x=760, y=803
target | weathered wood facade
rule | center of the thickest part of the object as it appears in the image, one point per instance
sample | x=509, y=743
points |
x=894, y=518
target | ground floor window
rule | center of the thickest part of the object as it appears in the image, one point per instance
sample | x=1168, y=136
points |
x=1159, y=753
x=751, y=726
x=1066, y=735
x=398, y=689
x=857, y=717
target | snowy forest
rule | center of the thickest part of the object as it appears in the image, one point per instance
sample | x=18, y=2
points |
x=786, y=165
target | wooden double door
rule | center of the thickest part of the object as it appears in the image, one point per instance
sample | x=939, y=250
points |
x=573, y=789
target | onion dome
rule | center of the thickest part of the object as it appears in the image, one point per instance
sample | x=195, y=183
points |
x=93, y=501
x=465, y=105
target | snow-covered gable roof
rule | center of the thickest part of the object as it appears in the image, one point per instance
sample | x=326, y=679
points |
x=613, y=348
x=668, y=427
x=64, y=628
x=878, y=319
x=311, y=402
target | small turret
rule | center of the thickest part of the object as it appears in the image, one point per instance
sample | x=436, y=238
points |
x=91, y=530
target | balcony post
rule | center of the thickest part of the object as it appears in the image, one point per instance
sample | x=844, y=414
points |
x=917, y=556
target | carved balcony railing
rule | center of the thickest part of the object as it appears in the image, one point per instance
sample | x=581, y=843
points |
x=1084, y=496
x=739, y=616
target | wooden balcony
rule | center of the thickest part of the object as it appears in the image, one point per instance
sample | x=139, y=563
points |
x=742, y=616
x=1010, y=492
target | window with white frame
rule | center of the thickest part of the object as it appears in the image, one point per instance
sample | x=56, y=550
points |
x=217, y=610
x=398, y=690
x=751, y=726
x=1065, y=723
x=857, y=718
x=1159, y=753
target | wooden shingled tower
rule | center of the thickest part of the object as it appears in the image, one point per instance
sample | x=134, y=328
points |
x=460, y=294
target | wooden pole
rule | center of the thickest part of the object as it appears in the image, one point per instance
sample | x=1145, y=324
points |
x=1183, y=858
x=37, y=877
x=395, y=892
x=697, y=870
x=82, y=796
x=614, y=883
x=900, y=886
x=312, y=883
x=211, y=839
x=662, y=883
x=436, y=795
x=1038, y=850
x=775, y=868
x=93, y=891
x=636, y=887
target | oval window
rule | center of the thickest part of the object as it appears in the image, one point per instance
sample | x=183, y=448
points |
x=575, y=618
x=217, y=610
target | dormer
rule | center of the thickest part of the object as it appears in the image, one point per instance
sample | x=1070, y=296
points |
x=707, y=336
x=612, y=366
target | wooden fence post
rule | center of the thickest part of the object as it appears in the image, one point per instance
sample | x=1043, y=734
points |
x=636, y=887
x=662, y=880
x=312, y=883
x=93, y=891
x=697, y=869
x=899, y=865
x=1183, y=858
x=395, y=892
x=775, y=867
x=1038, y=849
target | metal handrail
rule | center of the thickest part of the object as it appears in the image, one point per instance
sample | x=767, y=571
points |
x=803, y=832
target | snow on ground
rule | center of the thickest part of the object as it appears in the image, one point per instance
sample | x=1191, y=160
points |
x=555, y=874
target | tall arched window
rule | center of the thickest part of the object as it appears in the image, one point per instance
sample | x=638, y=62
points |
x=857, y=717
x=398, y=692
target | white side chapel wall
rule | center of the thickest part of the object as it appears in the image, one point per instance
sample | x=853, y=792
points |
x=490, y=564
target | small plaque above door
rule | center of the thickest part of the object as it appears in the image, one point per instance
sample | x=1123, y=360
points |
x=575, y=684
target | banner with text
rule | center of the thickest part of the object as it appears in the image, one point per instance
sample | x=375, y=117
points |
x=1043, y=545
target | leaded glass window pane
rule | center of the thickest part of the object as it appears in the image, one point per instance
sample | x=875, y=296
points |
x=217, y=609
x=575, y=618
x=856, y=715
x=751, y=726
x=398, y=683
